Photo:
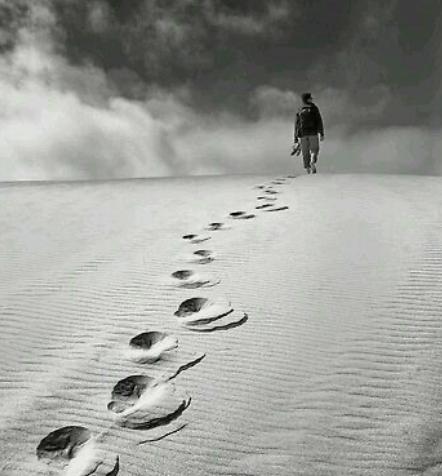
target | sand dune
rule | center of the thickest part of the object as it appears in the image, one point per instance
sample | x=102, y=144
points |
x=177, y=327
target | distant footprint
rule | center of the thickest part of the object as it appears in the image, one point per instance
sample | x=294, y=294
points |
x=276, y=209
x=198, y=310
x=241, y=215
x=270, y=199
x=141, y=402
x=259, y=187
x=216, y=226
x=149, y=347
x=73, y=451
x=202, y=257
x=196, y=238
x=188, y=279
x=264, y=205
x=271, y=192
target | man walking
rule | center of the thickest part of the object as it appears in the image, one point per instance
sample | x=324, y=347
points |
x=307, y=127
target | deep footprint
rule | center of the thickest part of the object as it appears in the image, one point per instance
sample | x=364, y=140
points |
x=63, y=443
x=198, y=310
x=139, y=402
x=149, y=347
x=127, y=391
x=265, y=205
x=73, y=450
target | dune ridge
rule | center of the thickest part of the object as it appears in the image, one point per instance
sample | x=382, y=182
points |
x=335, y=371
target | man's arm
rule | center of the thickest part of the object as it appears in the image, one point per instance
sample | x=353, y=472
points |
x=320, y=123
x=296, y=128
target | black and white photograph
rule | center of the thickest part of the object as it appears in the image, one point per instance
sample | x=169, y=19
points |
x=221, y=237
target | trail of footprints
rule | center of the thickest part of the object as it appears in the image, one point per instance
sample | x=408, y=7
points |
x=141, y=402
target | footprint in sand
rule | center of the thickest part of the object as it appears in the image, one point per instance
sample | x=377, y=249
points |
x=149, y=347
x=186, y=278
x=141, y=402
x=199, y=315
x=259, y=187
x=200, y=310
x=217, y=226
x=192, y=238
x=72, y=451
x=264, y=205
x=240, y=215
x=202, y=257
x=271, y=192
x=269, y=199
x=276, y=209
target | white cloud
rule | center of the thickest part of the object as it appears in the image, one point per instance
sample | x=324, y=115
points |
x=270, y=101
x=247, y=23
x=99, y=16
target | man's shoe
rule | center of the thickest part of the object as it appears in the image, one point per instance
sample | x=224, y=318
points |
x=308, y=170
x=313, y=167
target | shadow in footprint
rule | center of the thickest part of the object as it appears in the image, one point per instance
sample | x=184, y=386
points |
x=271, y=192
x=63, y=443
x=265, y=205
x=153, y=440
x=149, y=347
x=225, y=327
x=116, y=468
x=160, y=421
x=198, y=310
x=187, y=366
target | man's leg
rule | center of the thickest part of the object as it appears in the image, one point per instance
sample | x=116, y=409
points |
x=314, y=148
x=305, y=149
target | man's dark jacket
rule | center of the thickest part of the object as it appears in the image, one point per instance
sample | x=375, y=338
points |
x=316, y=126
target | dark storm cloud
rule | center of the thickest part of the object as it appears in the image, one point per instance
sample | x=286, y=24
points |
x=224, y=50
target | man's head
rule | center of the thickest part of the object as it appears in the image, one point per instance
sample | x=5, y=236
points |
x=306, y=98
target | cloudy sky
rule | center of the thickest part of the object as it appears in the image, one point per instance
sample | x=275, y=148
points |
x=103, y=89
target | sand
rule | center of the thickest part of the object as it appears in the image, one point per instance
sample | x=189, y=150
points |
x=304, y=337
